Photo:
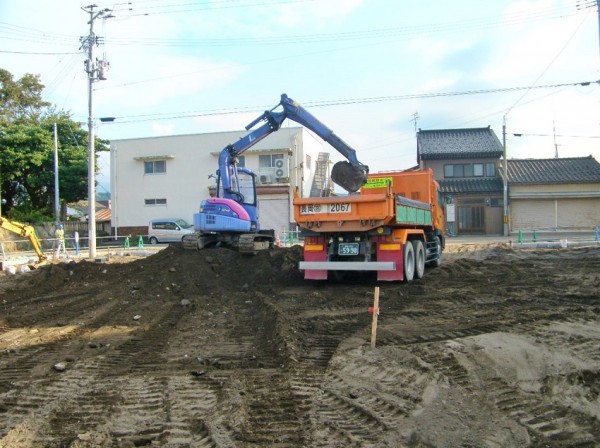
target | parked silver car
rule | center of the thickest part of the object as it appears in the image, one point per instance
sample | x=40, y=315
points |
x=168, y=230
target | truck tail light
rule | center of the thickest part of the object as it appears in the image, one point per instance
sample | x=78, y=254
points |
x=312, y=240
x=388, y=242
x=313, y=243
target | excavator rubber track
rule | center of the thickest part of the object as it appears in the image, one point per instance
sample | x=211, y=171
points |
x=252, y=243
x=249, y=243
x=190, y=242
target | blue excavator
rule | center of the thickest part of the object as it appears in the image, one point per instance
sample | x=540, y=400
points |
x=231, y=217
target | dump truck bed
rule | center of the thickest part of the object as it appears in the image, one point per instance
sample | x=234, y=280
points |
x=344, y=213
x=361, y=212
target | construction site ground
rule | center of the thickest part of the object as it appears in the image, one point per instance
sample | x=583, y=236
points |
x=498, y=347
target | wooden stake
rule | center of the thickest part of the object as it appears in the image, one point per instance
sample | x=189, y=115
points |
x=375, y=314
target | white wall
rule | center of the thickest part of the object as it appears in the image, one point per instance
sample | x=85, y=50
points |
x=312, y=145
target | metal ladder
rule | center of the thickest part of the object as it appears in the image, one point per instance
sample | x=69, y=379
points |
x=321, y=185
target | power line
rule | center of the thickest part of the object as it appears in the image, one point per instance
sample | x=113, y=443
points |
x=342, y=102
x=517, y=134
x=38, y=53
x=194, y=6
x=549, y=64
x=35, y=35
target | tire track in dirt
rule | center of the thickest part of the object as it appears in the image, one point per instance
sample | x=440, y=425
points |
x=89, y=384
x=318, y=328
x=549, y=422
x=275, y=400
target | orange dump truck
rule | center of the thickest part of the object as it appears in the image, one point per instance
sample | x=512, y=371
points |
x=394, y=225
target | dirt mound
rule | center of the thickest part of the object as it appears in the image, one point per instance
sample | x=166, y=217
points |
x=498, y=347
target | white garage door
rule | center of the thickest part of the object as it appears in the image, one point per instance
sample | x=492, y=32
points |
x=572, y=213
x=581, y=213
x=531, y=214
x=274, y=213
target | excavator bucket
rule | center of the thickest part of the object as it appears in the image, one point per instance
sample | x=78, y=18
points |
x=349, y=177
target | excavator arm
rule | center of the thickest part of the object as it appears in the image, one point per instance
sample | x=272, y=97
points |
x=349, y=175
x=24, y=230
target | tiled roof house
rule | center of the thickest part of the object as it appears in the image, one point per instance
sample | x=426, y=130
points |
x=554, y=194
x=573, y=170
x=458, y=144
x=543, y=194
x=466, y=164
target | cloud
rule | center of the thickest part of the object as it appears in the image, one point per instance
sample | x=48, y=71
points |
x=317, y=13
x=150, y=80
x=159, y=129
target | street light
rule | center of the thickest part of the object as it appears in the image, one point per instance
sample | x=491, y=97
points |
x=505, y=218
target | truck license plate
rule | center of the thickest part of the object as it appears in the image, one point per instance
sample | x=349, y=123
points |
x=348, y=249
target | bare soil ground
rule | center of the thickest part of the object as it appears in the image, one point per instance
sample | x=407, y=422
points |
x=496, y=348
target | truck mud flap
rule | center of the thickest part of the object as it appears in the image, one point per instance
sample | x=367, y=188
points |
x=391, y=253
x=314, y=254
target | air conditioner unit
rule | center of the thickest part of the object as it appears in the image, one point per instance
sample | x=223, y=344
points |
x=281, y=169
x=265, y=179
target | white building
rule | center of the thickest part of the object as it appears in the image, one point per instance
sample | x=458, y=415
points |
x=168, y=177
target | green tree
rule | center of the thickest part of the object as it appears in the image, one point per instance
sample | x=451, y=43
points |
x=27, y=150
x=20, y=99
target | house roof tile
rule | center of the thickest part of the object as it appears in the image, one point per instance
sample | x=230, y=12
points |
x=471, y=186
x=104, y=214
x=554, y=171
x=458, y=144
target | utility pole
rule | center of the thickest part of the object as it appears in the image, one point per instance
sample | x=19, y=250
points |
x=598, y=12
x=56, y=192
x=505, y=180
x=96, y=71
x=585, y=4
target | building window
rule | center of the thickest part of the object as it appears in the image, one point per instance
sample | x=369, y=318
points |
x=241, y=161
x=478, y=169
x=269, y=161
x=469, y=170
x=155, y=167
x=162, y=201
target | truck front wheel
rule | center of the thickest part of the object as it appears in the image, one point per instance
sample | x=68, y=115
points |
x=409, y=262
x=437, y=261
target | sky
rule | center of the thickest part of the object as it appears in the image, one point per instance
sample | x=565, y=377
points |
x=373, y=71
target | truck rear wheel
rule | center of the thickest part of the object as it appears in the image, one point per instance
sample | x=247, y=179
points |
x=409, y=262
x=419, y=250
